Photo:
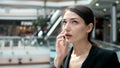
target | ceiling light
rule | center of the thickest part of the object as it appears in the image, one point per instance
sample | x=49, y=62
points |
x=97, y=4
x=117, y=2
x=104, y=9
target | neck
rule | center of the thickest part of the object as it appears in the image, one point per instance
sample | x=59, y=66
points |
x=82, y=47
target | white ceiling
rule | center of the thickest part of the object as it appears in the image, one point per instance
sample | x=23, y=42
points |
x=40, y=3
x=33, y=4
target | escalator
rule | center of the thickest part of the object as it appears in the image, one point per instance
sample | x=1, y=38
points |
x=54, y=22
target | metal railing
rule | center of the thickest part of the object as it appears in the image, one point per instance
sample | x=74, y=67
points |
x=108, y=45
x=24, y=50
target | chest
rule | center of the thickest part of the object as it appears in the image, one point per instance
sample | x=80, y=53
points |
x=76, y=62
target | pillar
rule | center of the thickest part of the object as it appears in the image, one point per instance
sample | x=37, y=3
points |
x=113, y=24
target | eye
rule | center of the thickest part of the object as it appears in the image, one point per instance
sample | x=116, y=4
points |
x=75, y=22
x=64, y=22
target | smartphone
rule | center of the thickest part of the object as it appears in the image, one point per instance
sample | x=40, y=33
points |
x=64, y=41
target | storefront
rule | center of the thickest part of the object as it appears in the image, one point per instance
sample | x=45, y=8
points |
x=16, y=28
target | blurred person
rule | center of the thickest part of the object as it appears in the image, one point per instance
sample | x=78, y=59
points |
x=99, y=34
x=77, y=25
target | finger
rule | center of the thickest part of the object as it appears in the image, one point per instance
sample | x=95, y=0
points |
x=60, y=42
x=66, y=44
x=60, y=36
x=62, y=32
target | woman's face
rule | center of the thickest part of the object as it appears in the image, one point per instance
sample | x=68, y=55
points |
x=74, y=27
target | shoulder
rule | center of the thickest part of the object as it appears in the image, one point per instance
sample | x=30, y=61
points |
x=104, y=57
x=105, y=54
x=103, y=51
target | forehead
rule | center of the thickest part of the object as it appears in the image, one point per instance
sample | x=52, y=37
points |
x=69, y=14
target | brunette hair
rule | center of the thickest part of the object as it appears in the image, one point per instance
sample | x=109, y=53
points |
x=84, y=12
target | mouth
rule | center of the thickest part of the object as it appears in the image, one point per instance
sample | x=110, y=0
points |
x=68, y=36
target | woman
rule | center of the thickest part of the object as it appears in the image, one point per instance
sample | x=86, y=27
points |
x=77, y=25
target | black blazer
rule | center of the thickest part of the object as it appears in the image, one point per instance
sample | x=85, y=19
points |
x=97, y=58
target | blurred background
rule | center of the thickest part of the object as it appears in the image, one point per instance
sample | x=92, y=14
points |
x=28, y=29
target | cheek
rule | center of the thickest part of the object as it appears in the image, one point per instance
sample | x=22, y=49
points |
x=80, y=32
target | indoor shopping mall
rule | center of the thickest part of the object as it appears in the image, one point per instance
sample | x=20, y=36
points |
x=28, y=30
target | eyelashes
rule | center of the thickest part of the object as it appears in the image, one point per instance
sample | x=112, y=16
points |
x=71, y=22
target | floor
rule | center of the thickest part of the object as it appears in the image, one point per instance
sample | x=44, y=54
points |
x=28, y=66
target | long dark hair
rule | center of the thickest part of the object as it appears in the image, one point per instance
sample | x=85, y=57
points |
x=84, y=12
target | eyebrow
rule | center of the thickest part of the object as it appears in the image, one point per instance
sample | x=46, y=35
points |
x=71, y=19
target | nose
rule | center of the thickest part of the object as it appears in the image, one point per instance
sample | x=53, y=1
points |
x=67, y=27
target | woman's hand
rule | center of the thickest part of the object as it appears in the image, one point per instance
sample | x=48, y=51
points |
x=61, y=49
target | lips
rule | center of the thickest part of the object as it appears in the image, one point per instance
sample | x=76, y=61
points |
x=68, y=35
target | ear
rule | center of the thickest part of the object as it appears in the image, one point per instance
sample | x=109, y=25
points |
x=90, y=27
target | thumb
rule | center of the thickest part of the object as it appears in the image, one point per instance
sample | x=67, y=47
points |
x=66, y=46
